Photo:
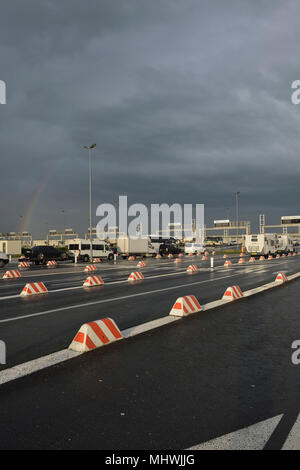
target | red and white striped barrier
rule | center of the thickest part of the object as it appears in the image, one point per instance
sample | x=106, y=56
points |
x=135, y=276
x=178, y=260
x=95, y=334
x=191, y=254
x=192, y=269
x=290, y=254
x=93, y=281
x=24, y=265
x=228, y=263
x=180, y=255
x=283, y=255
x=12, y=274
x=204, y=258
x=131, y=258
x=252, y=259
x=233, y=293
x=281, y=277
x=270, y=257
x=185, y=305
x=170, y=255
x=294, y=254
x=96, y=260
x=34, y=288
x=242, y=261
x=262, y=258
x=141, y=264
x=90, y=268
x=52, y=263
x=158, y=256
x=277, y=256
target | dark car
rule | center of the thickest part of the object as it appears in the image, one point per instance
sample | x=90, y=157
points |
x=169, y=248
x=43, y=254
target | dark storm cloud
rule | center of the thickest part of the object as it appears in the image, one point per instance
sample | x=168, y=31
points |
x=187, y=101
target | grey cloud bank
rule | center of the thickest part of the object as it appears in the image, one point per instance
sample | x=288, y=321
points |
x=187, y=101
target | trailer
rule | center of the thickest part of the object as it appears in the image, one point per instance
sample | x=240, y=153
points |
x=128, y=246
x=262, y=244
x=11, y=247
x=285, y=245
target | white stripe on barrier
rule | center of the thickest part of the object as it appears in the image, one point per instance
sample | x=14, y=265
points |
x=135, y=276
x=92, y=281
x=12, y=274
x=185, y=305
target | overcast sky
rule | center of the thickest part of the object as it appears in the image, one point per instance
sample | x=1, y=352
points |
x=187, y=101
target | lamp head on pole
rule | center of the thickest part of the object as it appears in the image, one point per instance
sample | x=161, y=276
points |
x=89, y=147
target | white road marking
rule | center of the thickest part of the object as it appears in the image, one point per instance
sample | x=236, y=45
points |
x=29, y=367
x=252, y=437
x=115, y=299
x=46, y=361
x=293, y=440
x=121, y=281
x=151, y=325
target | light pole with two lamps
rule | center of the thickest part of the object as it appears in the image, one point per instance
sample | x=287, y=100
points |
x=90, y=148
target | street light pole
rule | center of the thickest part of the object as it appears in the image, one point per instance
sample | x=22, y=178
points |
x=89, y=148
x=237, y=193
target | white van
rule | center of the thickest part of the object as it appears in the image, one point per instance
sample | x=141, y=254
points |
x=82, y=249
x=193, y=248
x=262, y=244
x=285, y=244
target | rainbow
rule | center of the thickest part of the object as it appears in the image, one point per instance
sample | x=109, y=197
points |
x=28, y=214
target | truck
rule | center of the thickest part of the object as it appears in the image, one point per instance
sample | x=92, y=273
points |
x=262, y=244
x=128, y=246
x=285, y=244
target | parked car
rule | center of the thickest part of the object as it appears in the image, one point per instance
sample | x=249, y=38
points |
x=169, y=248
x=3, y=259
x=43, y=254
x=193, y=248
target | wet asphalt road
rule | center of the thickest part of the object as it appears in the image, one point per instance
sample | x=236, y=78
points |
x=36, y=326
x=207, y=375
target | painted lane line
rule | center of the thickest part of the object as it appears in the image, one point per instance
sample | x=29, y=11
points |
x=115, y=299
x=61, y=356
x=252, y=437
x=151, y=325
x=248, y=270
x=293, y=440
x=121, y=281
x=35, y=365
